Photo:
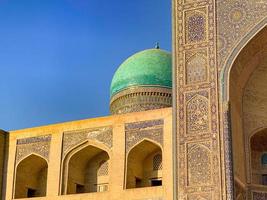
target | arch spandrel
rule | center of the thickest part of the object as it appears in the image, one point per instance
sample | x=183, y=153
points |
x=254, y=44
x=96, y=135
x=79, y=146
x=234, y=20
x=30, y=155
x=144, y=130
x=148, y=140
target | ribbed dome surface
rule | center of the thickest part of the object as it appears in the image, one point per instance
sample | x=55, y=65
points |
x=152, y=67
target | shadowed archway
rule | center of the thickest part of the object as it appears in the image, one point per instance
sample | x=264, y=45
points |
x=31, y=177
x=247, y=95
x=258, y=157
x=144, y=165
x=86, y=170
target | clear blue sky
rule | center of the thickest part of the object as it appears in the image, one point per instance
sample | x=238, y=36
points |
x=57, y=57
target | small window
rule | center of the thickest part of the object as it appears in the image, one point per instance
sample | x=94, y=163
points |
x=264, y=179
x=80, y=188
x=31, y=193
x=138, y=182
x=264, y=159
x=156, y=182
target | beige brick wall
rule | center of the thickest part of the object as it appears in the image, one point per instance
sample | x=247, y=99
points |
x=2, y=159
x=117, y=162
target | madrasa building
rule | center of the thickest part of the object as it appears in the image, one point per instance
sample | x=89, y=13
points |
x=185, y=125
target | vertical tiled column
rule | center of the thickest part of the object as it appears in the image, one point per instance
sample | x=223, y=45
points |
x=196, y=108
x=167, y=173
x=228, y=157
x=53, y=175
x=116, y=183
x=10, y=166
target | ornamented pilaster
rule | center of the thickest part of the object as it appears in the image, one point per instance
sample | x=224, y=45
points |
x=197, y=130
x=227, y=137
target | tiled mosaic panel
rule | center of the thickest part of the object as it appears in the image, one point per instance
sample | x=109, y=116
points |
x=259, y=196
x=137, y=131
x=35, y=145
x=73, y=138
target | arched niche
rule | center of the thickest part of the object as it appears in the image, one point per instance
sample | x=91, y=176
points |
x=86, y=170
x=31, y=177
x=144, y=165
x=247, y=95
x=258, y=151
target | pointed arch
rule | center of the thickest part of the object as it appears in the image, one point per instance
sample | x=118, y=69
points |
x=81, y=165
x=31, y=154
x=143, y=140
x=225, y=73
x=83, y=144
x=31, y=177
x=240, y=90
x=140, y=171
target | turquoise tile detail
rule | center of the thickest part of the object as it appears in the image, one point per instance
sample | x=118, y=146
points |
x=152, y=67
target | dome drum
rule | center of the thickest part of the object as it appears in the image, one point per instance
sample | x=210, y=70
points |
x=138, y=99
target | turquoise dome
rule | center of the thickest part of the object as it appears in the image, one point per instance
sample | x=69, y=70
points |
x=152, y=67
